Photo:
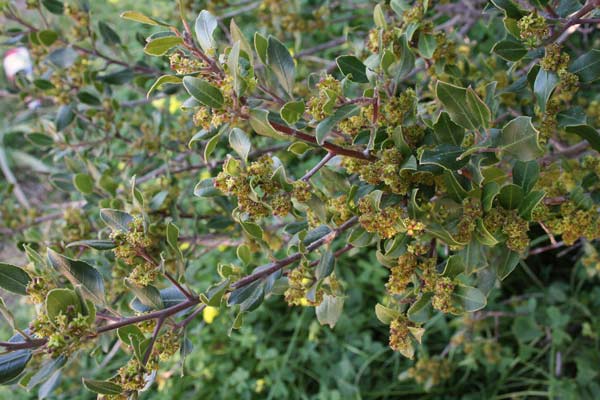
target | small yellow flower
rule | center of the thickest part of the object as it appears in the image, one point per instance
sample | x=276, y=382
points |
x=209, y=314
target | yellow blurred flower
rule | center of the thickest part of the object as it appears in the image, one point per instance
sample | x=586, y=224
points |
x=209, y=314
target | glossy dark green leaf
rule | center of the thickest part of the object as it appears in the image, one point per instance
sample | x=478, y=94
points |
x=587, y=67
x=109, y=35
x=13, y=363
x=588, y=133
x=54, y=6
x=102, y=387
x=469, y=298
x=326, y=265
x=544, y=85
x=83, y=183
x=80, y=274
x=97, y=244
x=204, y=92
x=14, y=279
x=526, y=174
x=446, y=131
x=352, y=66
x=445, y=156
x=510, y=50
x=463, y=105
x=510, y=196
x=163, y=80
x=520, y=139
x=281, y=63
x=530, y=201
x=427, y=44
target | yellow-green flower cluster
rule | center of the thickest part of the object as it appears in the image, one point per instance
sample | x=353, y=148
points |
x=258, y=193
x=300, y=281
x=134, y=248
x=533, y=28
x=430, y=372
x=37, y=289
x=401, y=274
x=554, y=59
x=511, y=224
x=386, y=222
x=402, y=335
x=320, y=106
x=471, y=212
x=65, y=334
x=184, y=65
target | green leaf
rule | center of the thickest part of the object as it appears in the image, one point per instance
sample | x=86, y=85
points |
x=510, y=50
x=63, y=57
x=245, y=293
x=379, y=17
x=384, y=314
x=47, y=37
x=88, y=98
x=520, y=139
x=427, y=44
x=204, y=92
x=292, y=111
x=351, y=65
x=117, y=220
x=530, y=202
x=108, y=34
x=464, y=106
x=526, y=174
x=97, y=244
x=506, y=263
x=446, y=131
x=510, y=196
x=141, y=18
x=445, y=156
x=587, y=66
x=149, y=296
x=83, y=183
x=420, y=310
x=329, y=310
x=326, y=126
x=60, y=301
x=47, y=369
x=165, y=79
x=102, y=387
x=252, y=229
x=211, y=145
x=454, y=267
x=128, y=333
x=206, y=188
x=13, y=363
x=261, y=44
x=406, y=61
x=80, y=274
x=64, y=117
x=586, y=132
x=39, y=139
x=172, y=236
x=205, y=26
x=161, y=45
x=238, y=36
x=326, y=265
x=240, y=143
x=510, y=9
x=54, y=6
x=14, y=279
x=469, y=298
x=281, y=63
x=259, y=121
x=544, y=85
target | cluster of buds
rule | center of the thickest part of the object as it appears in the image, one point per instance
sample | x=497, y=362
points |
x=386, y=222
x=403, y=334
x=430, y=372
x=574, y=223
x=165, y=346
x=300, y=281
x=472, y=211
x=65, y=333
x=320, y=106
x=511, y=224
x=37, y=289
x=136, y=247
x=259, y=193
x=401, y=274
x=442, y=287
x=533, y=28
x=183, y=64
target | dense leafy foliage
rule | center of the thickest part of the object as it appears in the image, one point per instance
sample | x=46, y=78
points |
x=433, y=166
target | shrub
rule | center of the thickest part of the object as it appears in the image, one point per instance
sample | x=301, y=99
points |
x=443, y=145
